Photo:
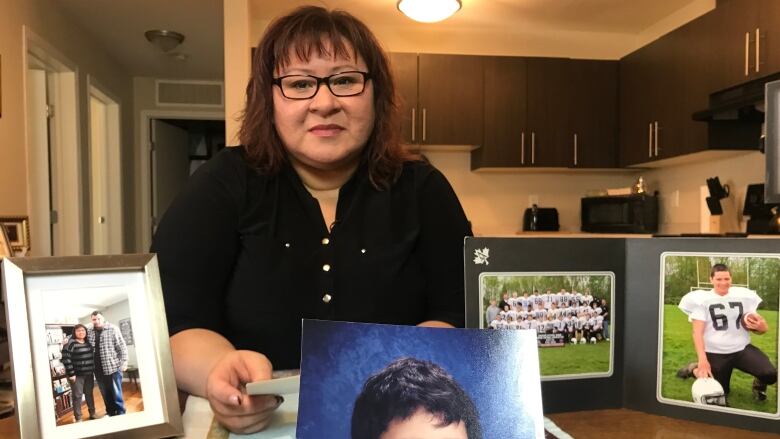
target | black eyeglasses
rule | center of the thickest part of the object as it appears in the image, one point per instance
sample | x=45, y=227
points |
x=306, y=86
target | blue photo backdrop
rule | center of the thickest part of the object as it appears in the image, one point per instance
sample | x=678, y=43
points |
x=499, y=370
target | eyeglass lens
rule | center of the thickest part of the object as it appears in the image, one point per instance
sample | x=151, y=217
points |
x=304, y=87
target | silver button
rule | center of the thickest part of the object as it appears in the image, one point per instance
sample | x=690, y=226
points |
x=325, y=241
x=327, y=298
x=326, y=267
x=362, y=250
x=287, y=244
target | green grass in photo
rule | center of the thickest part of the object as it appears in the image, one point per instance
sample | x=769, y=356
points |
x=678, y=351
x=575, y=359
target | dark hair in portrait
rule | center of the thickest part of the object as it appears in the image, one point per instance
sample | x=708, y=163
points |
x=79, y=326
x=96, y=313
x=307, y=31
x=405, y=386
x=718, y=268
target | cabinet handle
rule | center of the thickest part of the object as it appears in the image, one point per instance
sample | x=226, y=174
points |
x=575, y=149
x=758, y=49
x=650, y=139
x=522, y=148
x=424, y=127
x=414, y=122
x=656, y=138
x=533, y=147
x=747, y=53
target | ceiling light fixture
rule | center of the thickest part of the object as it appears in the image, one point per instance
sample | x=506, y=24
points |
x=429, y=11
x=165, y=40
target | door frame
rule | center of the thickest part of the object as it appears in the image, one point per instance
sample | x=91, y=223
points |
x=66, y=180
x=144, y=173
x=113, y=171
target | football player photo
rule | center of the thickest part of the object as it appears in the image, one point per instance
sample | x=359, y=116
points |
x=718, y=345
x=570, y=312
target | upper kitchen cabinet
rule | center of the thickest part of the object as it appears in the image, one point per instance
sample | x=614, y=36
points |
x=450, y=100
x=746, y=35
x=592, y=105
x=547, y=135
x=505, y=114
x=404, y=67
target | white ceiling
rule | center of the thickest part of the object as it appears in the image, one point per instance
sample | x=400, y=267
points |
x=120, y=25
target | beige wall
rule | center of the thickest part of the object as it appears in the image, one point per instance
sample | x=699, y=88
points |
x=45, y=19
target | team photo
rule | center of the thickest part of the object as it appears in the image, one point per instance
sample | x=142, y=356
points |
x=570, y=312
x=718, y=345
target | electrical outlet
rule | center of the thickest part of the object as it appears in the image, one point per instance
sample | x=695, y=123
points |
x=533, y=199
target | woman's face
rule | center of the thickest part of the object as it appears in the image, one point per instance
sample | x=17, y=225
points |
x=80, y=333
x=325, y=132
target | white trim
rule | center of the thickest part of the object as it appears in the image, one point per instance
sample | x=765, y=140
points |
x=145, y=210
x=65, y=138
x=113, y=158
x=157, y=102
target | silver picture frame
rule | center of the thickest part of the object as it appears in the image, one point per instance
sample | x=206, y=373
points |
x=33, y=287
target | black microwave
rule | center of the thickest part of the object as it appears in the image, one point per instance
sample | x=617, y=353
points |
x=620, y=214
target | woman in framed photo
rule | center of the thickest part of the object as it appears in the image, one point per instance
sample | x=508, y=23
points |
x=78, y=358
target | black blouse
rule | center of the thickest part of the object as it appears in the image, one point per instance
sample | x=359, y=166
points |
x=249, y=255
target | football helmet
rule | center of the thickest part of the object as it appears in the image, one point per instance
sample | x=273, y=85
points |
x=593, y=340
x=583, y=341
x=708, y=391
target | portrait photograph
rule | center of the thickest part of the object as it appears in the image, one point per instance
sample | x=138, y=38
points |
x=68, y=319
x=368, y=380
x=718, y=341
x=571, y=313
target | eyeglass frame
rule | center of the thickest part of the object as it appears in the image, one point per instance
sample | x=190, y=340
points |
x=323, y=80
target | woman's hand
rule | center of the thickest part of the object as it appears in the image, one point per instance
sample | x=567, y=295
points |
x=234, y=409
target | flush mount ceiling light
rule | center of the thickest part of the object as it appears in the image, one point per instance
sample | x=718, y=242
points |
x=165, y=40
x=429, y=11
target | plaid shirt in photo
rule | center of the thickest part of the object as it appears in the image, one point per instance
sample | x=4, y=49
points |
x=113, y=350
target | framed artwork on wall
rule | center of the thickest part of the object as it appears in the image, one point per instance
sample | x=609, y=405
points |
x=17, y=229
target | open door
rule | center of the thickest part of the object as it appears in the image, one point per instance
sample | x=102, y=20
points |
x=170, y=165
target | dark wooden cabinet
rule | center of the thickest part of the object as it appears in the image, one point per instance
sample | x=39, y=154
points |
x=450, y=99
x=635, y=117
x=592, y=105
x=769, y=42
x=505, y=114
x=547, y=134
x=404, y=67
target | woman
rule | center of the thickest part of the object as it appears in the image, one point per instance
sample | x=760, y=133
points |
x=320, y=214
x=78, y=358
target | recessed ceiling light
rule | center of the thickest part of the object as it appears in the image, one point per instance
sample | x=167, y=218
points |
x=429, y=11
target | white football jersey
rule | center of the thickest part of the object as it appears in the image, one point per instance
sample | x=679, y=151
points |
x=724, y=331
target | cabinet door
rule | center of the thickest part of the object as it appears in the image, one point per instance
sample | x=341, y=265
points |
x=450, y=99
x=769, y=23
x=735, y=22
x=505, y=115
x=697, y=59
x=593, y=113
x=548, y=94
x=634, y=118
x=404, y=66
x=667, y=94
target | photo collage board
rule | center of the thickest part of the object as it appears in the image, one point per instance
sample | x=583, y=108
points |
x=660, y=295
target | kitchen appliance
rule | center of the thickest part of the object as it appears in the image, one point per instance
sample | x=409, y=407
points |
x=540, y=219
x=763, y=215
x=636, y=213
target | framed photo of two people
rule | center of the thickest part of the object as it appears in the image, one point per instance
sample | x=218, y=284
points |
x=75, y=375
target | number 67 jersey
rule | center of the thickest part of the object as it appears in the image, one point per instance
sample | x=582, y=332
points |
x=724, y=330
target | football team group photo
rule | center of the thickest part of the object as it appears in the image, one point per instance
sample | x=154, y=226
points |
x=719, y=324
x=570, y=312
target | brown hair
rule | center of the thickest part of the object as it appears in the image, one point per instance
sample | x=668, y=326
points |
x=328, y=33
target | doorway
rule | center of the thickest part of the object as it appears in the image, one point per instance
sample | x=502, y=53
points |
x=54, y=175
x=105, y=174
x=178, y=143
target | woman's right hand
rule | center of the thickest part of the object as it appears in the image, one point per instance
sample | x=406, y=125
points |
x=233, y=408
x=703, y=369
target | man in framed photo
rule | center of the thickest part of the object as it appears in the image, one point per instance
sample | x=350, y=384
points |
x=110, y=362
x=722, y=319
